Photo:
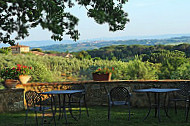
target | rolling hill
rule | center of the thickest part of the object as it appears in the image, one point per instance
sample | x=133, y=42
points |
x=98, y=44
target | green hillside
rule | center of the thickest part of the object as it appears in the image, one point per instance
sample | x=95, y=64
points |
x=127, y=52
x=98, y=44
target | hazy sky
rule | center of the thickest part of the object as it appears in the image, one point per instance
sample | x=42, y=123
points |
x=147, y=17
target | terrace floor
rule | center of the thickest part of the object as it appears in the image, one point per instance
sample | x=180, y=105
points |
x=98, y=117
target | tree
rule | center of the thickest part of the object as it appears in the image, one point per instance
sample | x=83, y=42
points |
x=136, y=69
x=170, y=61
x=83, y=55
x=18, y=16
x=160, y=56
x=37, y=49
x=5, y=50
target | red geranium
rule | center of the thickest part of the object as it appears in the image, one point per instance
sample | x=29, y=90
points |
x=13, y=73
x=23, y=70
x=9, y=73
x=104, y=70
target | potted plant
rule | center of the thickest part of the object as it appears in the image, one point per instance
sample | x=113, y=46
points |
x=102, y=74
x=24, y=73
x=10, y=75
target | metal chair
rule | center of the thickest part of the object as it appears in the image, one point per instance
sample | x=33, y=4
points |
x=34, y=103
x=77, y=98
x=181, y=96
x=187, y=110
x=119, y=96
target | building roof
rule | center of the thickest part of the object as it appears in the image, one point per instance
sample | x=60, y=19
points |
x=17, y=45
x=38, y=53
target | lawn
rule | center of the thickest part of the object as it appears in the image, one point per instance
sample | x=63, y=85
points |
x=98, y=117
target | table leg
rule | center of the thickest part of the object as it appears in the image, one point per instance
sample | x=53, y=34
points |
x=59, y=106
x=70, y=108
x=166, y=112
x=159, y=107
x=156, y=103
x=64, y=109
x=149, y=100
x=53, y=112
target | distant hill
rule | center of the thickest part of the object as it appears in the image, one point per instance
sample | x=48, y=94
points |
x=40, y=43
x=94, y=44
x=98, y=44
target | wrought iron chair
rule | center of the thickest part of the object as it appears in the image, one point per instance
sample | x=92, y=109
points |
x=34, y=103
x=181, y=96
x=77, y=98
x=119, y=96
x=188, y=106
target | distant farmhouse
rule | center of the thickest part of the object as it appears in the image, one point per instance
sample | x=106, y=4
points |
x=19, y=49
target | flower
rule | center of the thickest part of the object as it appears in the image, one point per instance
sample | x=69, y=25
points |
x=14, y=72
x=104, y=70
x=23, y=70
x=9, y=73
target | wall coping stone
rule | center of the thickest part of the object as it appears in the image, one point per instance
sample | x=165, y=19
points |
x=11, y=89
x=101, y=82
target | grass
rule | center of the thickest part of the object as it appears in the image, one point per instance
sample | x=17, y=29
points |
x=98, y=117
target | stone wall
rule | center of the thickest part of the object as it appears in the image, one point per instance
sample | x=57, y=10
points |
x=96, y=92
x=11, y=100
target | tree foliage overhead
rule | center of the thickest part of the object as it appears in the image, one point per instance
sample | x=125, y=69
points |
x=18, y=16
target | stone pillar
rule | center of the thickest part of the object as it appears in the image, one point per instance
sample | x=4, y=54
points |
x=11, y=100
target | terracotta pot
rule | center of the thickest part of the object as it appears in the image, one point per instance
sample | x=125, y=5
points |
x=101, y=77
x=10, y=83
x=24, y=78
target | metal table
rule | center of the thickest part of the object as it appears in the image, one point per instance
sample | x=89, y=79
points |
x=157, y=92
x=59, y=93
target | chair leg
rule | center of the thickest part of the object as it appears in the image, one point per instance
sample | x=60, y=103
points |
x=129, y=111
x=36, y=118
x=79, y=108
x=187, y=111
x=175, y=107
x=53, y=104
x=86, y=106
x=109, y=107
x=26, y=117
x=42, y=117
x=168, y=105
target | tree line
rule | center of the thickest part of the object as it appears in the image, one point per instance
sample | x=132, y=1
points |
x=127, y=52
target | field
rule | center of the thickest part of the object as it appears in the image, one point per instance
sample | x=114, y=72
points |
x=98, y=117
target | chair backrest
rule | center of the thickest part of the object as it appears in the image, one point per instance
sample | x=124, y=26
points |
x=32, y=98
x=185, y=88
x=119, y=94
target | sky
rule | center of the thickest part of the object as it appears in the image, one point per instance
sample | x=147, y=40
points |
x=147, y=18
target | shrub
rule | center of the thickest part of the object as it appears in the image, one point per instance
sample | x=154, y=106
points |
x=136, y=69
x=37, y=49
x=182, y=72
